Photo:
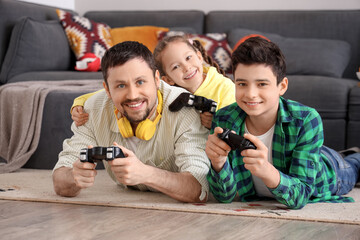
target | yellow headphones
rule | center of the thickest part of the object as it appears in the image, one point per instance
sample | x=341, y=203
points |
x=145, y=130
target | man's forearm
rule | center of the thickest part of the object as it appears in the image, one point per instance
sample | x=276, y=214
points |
x=181, y=186
x=64, y=183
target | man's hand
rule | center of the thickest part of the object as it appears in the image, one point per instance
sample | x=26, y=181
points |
x=79, y=116
x=217, y=150
x=84, y=174
x=256, y=161
x=129, y=170
x=206, y=119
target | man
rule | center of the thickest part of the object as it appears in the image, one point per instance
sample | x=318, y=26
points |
x=167, y=152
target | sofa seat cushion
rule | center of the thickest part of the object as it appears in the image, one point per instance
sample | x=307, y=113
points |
x=36, y=46
x=305, y=56
x=329, y=96
x=354, y=104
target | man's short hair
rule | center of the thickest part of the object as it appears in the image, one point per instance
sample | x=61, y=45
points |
x=122, y=52
x=257, y=50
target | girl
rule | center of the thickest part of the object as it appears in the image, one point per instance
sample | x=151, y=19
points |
x=180, y=62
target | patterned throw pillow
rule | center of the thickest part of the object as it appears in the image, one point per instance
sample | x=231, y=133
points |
x=215, y=44
x=85, y=35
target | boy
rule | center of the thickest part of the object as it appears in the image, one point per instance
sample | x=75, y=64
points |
x=290, y=163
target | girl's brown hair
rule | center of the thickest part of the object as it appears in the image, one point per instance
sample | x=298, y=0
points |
x=193, y=44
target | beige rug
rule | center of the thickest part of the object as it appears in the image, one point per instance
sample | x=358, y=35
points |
x=36, y=185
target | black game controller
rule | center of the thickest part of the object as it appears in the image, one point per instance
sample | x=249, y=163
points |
x=96, y=154
x=189, y=100
x=235, y=141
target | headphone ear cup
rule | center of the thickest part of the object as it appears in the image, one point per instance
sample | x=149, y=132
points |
x=146, y=129
x=125, y=127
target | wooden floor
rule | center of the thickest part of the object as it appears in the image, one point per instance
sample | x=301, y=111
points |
x=34, y=220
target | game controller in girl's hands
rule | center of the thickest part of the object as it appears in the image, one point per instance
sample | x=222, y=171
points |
x=189, y=100
x=235, y=141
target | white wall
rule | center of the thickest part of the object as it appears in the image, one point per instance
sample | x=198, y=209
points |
x=82, y=6
x=67, y=4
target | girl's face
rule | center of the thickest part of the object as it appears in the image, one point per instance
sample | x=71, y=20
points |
x=183, y=66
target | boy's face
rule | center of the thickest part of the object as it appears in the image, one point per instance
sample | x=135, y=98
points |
x=257, y=92
x=133, y=89
x=183, y=66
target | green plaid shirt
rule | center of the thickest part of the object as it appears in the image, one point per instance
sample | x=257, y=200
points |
x=305, y=174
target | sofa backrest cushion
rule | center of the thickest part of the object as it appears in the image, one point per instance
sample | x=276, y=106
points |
x=12, y=11
x=305, y=56
x=192, y=19
x=321, y=24
x=36, y=46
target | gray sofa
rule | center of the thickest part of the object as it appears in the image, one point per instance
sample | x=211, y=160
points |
x=323, y=78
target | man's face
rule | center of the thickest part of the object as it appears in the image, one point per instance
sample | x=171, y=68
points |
x=133, y=89
x=257, y=91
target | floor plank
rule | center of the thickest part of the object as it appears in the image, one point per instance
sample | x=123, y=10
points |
x=35, y=220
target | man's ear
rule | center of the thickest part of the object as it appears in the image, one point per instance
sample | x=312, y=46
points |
x=283, y=85
x=168, y=80
x=157, y=79
x=106, y=89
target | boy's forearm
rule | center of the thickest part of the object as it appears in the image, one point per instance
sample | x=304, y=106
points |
x=64, y=183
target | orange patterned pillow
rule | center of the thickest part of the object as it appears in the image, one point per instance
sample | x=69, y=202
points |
x=85, y=35
x=146, y=35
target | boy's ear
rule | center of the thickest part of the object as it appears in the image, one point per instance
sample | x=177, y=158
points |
x=283, y=86
x=106, y=89
x=168, y=80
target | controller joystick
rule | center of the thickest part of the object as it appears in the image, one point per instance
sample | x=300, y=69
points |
x=235, y=141
x=96, y=154
x=189, y=100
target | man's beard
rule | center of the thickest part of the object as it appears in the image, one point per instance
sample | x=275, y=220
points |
x=138, y=119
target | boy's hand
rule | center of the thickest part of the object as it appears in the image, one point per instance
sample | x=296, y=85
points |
x=256, y=161
x=129, y=170
x=206, y=119
x=217, y=150
x=79, y=116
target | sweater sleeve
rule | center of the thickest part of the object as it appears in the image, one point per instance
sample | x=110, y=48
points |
x=80, y=101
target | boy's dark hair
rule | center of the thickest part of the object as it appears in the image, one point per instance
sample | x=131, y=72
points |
x=121, y=53
x=257, y=50
x=193, y=44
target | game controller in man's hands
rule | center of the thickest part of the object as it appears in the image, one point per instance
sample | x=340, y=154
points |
x=235, y=141
x=189, y=100
x=100, y=153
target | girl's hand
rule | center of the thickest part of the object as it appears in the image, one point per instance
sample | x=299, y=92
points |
x=79, y=116
x=206, y=119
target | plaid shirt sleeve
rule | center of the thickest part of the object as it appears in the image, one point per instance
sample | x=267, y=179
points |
x=222, y=184
x=298, y=185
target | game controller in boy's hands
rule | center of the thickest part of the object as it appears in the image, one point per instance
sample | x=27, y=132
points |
x=189, y=100
x=96, y=154
x=235, y=141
